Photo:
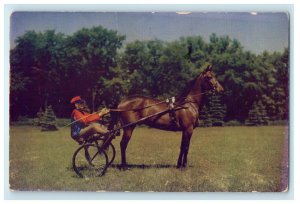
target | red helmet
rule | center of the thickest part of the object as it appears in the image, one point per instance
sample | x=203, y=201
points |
x=75, y=99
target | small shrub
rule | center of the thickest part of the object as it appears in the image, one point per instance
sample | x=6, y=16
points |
x=48, y=122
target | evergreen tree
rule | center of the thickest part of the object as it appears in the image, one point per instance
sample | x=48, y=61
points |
x=253, y=116
x=48, y=122
x=257, y=115
x=264, y=119
x=205, y=118
x=216, y=110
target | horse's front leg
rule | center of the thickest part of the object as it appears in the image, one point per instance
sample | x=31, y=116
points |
x=179, y=161
x=184, y=147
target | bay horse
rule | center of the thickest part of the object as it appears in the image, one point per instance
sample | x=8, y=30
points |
x=187, y=117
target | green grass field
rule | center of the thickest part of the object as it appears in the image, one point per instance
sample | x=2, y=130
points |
x=220, y=159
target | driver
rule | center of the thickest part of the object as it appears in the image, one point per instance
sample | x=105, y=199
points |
x=83, y=122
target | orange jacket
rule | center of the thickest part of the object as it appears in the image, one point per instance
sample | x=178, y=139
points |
x=85, y=117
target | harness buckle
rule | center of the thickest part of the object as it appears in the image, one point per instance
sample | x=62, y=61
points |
x=172, y=113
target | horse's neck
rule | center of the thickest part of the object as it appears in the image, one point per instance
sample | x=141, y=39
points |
x=195, y=94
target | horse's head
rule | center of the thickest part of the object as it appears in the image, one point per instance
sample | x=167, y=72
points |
x=210, y=80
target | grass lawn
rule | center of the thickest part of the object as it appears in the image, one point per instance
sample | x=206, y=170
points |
x=220, y=159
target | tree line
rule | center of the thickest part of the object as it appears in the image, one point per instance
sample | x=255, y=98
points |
x=49, y=68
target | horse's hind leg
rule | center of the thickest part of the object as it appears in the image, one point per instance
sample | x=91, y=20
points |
x=123, y=144
x=113, y=123
x=184, y=147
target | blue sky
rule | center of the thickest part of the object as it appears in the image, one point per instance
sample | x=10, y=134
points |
x=256, y=32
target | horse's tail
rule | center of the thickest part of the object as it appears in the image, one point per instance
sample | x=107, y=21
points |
x=114, y=122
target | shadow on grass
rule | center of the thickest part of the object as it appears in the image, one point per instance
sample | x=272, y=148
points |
x=137, y=166
x=143, y=166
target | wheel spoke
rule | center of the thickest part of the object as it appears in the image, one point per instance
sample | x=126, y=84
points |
x=110, y=151
x=89, y=162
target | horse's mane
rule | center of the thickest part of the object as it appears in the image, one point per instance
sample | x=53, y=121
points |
x=186, y=89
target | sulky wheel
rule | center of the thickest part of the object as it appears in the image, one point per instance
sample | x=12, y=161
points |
x=89, y=162
x=110, y=151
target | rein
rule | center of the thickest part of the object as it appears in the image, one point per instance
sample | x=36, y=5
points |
x=97, y=112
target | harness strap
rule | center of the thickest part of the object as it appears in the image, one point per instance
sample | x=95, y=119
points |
x=154, y=104
x=136, y=109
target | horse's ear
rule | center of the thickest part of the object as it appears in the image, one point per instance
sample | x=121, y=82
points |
x=208, y=68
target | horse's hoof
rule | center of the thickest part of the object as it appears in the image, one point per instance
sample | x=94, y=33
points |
x=124, y=168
